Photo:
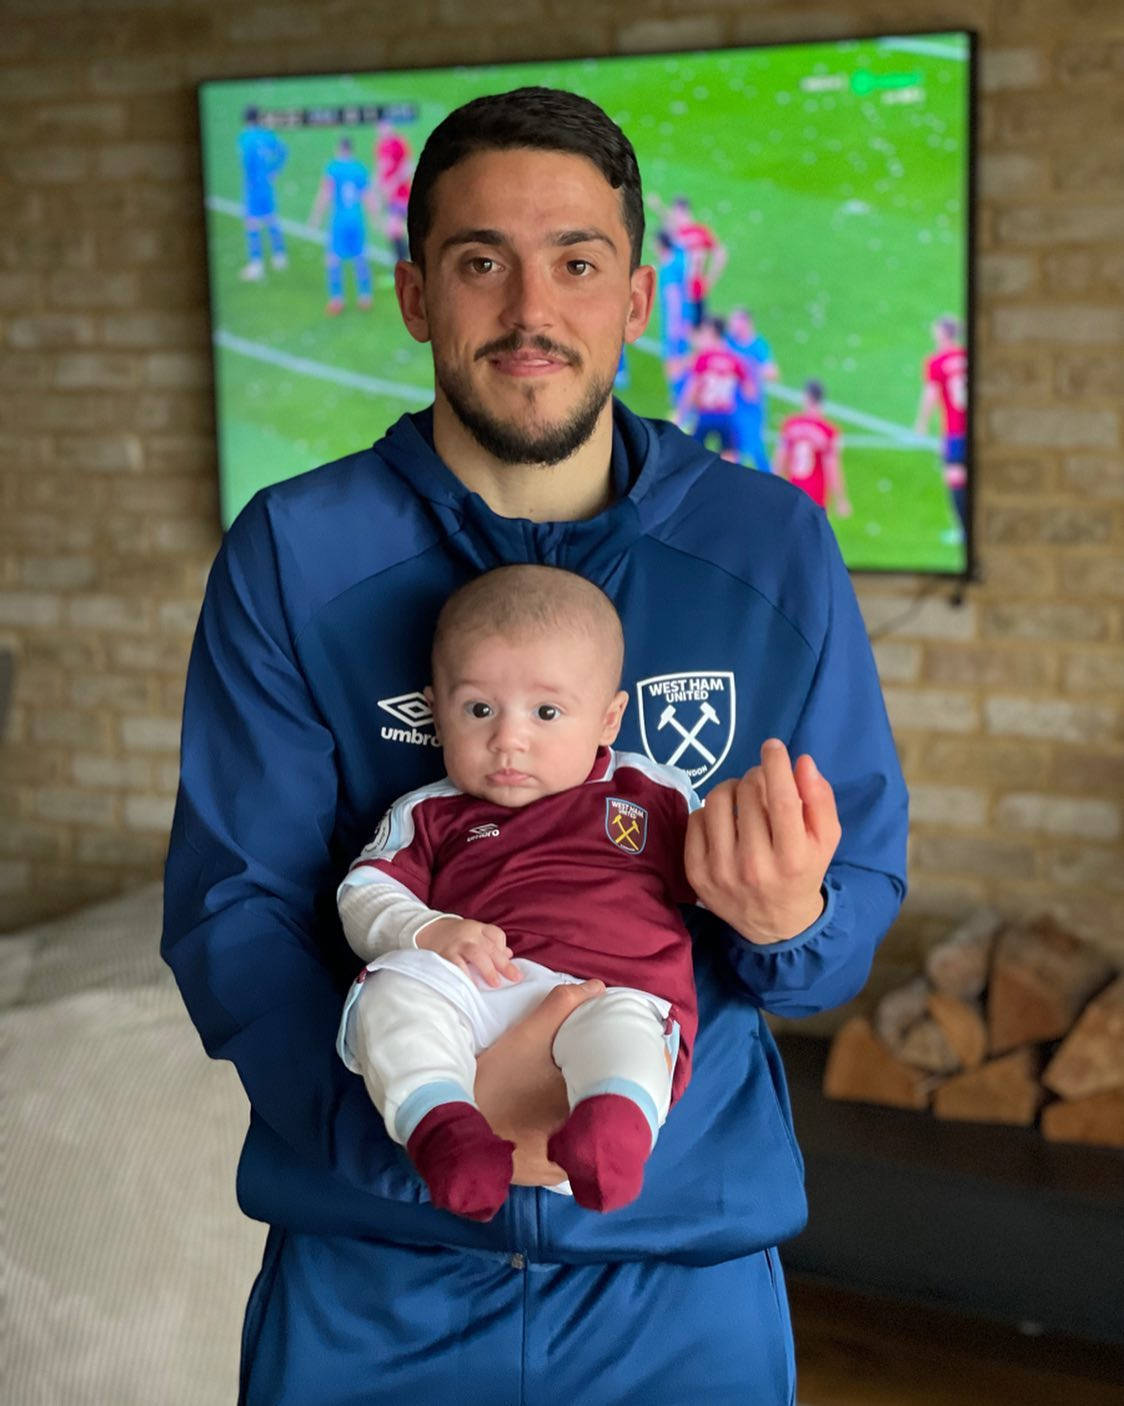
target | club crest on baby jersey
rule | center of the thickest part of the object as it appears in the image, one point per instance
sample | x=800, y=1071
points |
x=687, y=720
x=626, y=824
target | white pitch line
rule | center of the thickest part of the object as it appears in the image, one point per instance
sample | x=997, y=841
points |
x=320, y=370
x=901, y=437
x=931, y=48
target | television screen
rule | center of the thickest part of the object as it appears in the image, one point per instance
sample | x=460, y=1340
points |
x=808, y=212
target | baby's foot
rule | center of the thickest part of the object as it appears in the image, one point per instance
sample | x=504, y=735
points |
x=602, y=1148
x=466, y=1166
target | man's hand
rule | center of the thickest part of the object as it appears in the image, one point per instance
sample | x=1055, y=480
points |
x=758, y=850
x=467, y=943
x=519, y=1087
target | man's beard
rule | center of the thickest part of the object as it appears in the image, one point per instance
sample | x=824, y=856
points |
x=517, y=444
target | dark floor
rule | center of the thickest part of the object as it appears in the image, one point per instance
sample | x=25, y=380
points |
x=853, y=1350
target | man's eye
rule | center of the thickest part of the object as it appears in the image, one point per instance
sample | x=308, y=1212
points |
x=481, y=264
x=546, y=712
x=580, y=268
x=480, y=710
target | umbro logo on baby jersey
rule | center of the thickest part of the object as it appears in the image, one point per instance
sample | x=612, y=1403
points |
x=412, y=709
x=482, y=832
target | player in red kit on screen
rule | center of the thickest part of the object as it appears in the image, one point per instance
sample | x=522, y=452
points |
x=706, y=257
x=945, y=387
x=717, y=376
x=810, y=453
x=393, y=169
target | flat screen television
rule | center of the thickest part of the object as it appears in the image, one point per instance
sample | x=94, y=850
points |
x=826, y=185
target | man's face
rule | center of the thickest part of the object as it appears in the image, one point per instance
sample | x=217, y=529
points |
x=521, y=719
x=526, y=298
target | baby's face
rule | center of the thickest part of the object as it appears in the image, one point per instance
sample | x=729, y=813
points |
x=520, y=720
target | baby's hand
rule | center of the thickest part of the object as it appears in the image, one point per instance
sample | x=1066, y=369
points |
x=465, y=943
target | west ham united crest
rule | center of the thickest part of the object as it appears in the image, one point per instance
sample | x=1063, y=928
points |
x=626, y=824
x=687, y=720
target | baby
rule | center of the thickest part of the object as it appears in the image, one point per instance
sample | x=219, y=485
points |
x=569, y=859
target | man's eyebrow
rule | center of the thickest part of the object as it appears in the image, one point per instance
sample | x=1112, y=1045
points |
x=496, y=238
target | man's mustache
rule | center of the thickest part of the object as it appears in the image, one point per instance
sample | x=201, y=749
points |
x=516, y=341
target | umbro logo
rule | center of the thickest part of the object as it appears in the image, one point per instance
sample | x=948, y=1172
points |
x=483, y=832
x=413, y=710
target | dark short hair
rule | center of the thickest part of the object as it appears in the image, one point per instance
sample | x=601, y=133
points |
x=546, y=119
x=814, y=390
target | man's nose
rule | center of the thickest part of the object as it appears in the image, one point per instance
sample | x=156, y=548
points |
x=529, y=305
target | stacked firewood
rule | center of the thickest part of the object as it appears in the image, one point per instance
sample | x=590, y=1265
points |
x=1010, y=1023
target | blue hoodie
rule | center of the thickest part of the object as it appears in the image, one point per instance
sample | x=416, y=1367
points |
x=303, y=721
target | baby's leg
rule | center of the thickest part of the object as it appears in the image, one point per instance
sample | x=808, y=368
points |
x=615, y=1059
x=418, y=1059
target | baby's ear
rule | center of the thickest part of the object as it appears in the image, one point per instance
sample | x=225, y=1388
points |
x=613, y=715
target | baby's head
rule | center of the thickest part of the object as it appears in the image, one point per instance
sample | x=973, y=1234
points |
x=526, y=672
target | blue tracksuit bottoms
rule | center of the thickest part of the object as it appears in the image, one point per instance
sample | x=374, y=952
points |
x=349, y=1322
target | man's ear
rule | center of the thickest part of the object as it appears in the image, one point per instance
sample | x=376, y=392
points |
x=409, y=289
x=613, y=715
x=427, y=694
x=642, y=294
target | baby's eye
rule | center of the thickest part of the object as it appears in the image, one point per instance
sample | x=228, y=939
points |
x=547, y=712
x=480, y=710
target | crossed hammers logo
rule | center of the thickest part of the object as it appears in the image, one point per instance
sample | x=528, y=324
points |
x=690, y=738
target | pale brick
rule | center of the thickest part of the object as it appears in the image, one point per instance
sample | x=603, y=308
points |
x=75, y=807
x=897, y=662
x=105, y=371
x=1098, y=166
x=122, y=693
x=268, y=24
x=1055, y=427
x=1024, y=476
x=1092, y=377
x=108, y=613
x=166, y=779
x=50, y=329
x=1090, y=916
x=121, y=848
x=72, y=289
x=142, y=161
x=1006, y=174
x=176, y=370
x=19, y=291
x=1086, y=671
x=78, y=119
x=987, y=666
x=931, y=618
x=186, y=535
x=1093, y=574
x=1003, y=374
x=149, y=813
x=958, y=806
x=931, y=709
x=29, y=838
x=1055, y=719
x=31, y=608
x=102, y=773
x=971, y=854
x=1004, y=69
x=1090, y=63
x=1047, y=620
x=1086, y=867
x=100, y=453
x=182, y=453
x=1058, y=815
x=662, y=35
x=137, y=73
x=179, y=617
x=150, y=734
x=1060, y=525
x=153, y=655
x=1064, y=223
x=1019, y=573
x=66, y=725
x=57, y=573
x=1058, y=322
x=50, y=165
x=26, y=371
x=1094, y=475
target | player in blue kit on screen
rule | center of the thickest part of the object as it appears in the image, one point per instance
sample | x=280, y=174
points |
x=346, y=190
x=671, y=288
x=262, y=154
x=743, y=338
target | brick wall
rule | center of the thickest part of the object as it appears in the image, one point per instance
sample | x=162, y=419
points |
x=1007, y=707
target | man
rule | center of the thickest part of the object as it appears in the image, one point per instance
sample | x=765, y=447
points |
x=945, y=387
x=345, y=189
x=706, y=257
x=742, y=634
x=743, y=338
x=262, y=154
x=392, y=169
x=715, y=381
x=810, y=454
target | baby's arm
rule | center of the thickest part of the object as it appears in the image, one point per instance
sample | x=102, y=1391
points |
x=382, y=915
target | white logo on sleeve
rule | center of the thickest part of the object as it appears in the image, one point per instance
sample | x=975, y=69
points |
x=413, y=710
x=687, y=720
